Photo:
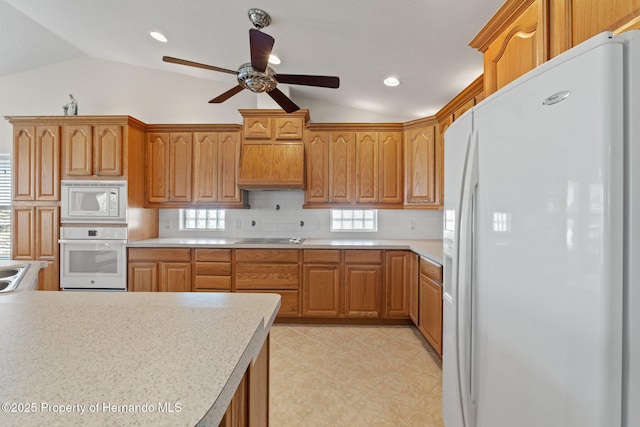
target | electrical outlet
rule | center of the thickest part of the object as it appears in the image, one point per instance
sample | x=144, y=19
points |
x=317, y=225
x=238, y=224
x=412, y=224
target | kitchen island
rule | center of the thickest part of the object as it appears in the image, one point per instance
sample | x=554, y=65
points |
x=112, y=358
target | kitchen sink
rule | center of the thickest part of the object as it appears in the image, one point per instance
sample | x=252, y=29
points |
x=10, y=276
x=270, y=241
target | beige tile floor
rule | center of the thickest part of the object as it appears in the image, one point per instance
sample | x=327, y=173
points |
x=336, y=375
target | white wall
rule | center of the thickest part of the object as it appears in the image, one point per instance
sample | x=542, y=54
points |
x=285, y=222
x=153, y=96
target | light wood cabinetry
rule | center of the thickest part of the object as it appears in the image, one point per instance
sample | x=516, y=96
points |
x=92, y=150
x=321, y=283
x=414, y=288
x=397, y=283
x=354, y=165
x=163, y=270
x=213, y=270
x=270, y=270
x=36, y=163
x=430, y=317
x=193, y=166
x=273, y=149
x=421, y=160
x=363, y=283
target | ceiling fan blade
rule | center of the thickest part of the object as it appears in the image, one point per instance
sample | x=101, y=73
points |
x=196, y=64
x=228, y=94
x=301, y=79
x=261, y=45
x=283, y=100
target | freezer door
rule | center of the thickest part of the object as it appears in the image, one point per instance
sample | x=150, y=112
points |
x=548, y=305
x=456, y=145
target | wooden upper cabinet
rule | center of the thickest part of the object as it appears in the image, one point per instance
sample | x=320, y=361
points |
x=288, y=128
x=257, y=127
x=157, y=167
x=513, y=42
x=341, y=152
x=420, y=161
x=367, y=173
x=92, y=150
x=180, y=157
x=589, y=18
x=391, y=167
x=205, y=167
x=228, y=161
x=107, y=141
x=36, y=163
x=317, y=162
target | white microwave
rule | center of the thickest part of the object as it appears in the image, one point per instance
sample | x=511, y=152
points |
x=94, y=202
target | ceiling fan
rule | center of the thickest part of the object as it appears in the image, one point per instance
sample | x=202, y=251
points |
x=256, y=75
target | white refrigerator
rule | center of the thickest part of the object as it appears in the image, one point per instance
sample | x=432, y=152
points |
x=542, y=247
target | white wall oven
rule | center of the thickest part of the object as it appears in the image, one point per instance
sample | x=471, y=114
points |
x=93, y=258
x=94, y=202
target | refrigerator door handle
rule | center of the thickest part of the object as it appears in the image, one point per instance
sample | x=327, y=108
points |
x=465, y=298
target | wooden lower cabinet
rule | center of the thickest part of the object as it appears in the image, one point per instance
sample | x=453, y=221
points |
x=430, y=301
x=249, y=406
x=321, y=283
x=159, y=270
x=414, y=287
x=363, y=290
x=213, y=270
x=396, y=283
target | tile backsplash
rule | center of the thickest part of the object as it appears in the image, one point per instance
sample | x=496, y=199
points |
x=288, y=219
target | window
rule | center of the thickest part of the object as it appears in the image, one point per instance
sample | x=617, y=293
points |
x=5, y=206
x=202, y=219
x=354, y=220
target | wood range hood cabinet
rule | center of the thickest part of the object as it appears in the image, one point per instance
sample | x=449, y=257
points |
x=272, y=155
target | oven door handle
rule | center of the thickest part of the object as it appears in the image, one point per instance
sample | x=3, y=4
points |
x=92, y=242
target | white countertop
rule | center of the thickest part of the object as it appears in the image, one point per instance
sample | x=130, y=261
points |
x=29, y=280
x=431, y=249
x=116, y=358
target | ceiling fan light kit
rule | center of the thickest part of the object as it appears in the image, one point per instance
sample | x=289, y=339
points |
x=256, y=75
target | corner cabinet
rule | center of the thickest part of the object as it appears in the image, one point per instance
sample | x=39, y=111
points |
x=192, y=166
x=423, y=168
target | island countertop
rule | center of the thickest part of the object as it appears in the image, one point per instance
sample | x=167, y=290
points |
x=429, y=248
x=115, y=358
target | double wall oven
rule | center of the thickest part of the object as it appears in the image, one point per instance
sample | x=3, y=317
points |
x=93, y=236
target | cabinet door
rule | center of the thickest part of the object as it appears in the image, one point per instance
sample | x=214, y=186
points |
x=205, y=167
x=288, y=128
x=363, y=290
x=317, y=152
x=142, y=277
x=23, y=234
x=414, y=287
x=47, y=163
x=175, y=277
x=321, y=290
x=391, y=169
x=24, y=161
x=47, y=226
x=420, y=161
x=229, y=159
x=180, y=159
x=366, y=167
x=341, y=151
x=257, y=128
x=397, y=272
x=157, y=168
x=78, y=148
x=107, y=150
x=431, y=312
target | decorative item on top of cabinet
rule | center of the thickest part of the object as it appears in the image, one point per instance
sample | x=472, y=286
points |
x=430, y=316
x=513, y=42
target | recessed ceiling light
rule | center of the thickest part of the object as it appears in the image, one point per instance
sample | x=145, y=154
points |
x=391, y=81
x=274, y=59
x=158, y=36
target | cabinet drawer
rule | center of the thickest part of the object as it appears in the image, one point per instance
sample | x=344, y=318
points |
x=267, y=255
x=267, y=276
x=213, y=254
x=363, y=256
x=289, y=302
x=431, y=269
x=213, y=282
x=213, y=268
x=321, y=255
x=161, y=255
